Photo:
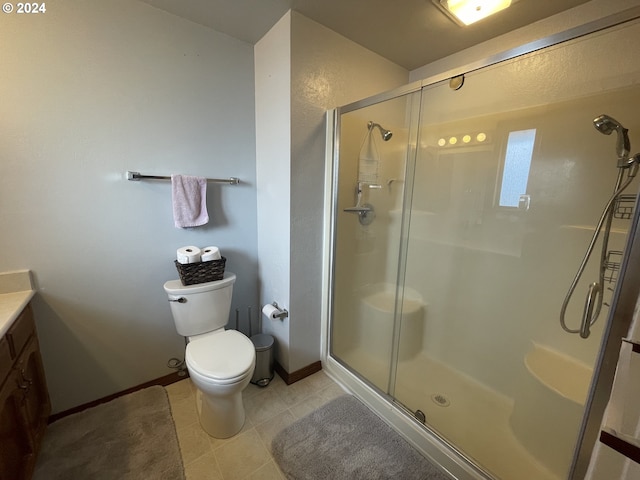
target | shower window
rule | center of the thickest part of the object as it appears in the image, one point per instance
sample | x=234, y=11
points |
x=517, y=164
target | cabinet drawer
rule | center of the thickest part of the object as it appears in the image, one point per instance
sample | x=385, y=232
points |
x=20, y=331
x=5, y=359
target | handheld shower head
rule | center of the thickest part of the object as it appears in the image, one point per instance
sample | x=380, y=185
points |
x=606, y=125
x=386, y=134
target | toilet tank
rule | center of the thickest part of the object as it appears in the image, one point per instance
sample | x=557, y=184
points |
x=200, y=308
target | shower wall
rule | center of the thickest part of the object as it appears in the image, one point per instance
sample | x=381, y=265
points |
x=370, y=256
x=529, y=257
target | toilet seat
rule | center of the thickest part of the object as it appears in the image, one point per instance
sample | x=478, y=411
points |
x=221, y=357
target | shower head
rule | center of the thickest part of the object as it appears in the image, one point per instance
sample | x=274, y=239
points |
x=386, y=134
x=605, y=124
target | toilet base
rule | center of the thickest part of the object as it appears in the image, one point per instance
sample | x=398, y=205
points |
x=220, y=417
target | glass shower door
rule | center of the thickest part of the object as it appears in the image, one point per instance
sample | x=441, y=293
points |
x=375, y=143
x=509, y=183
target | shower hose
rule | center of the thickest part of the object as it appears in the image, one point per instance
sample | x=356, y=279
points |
x=591, y=313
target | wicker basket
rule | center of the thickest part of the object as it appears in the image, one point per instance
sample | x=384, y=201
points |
x=193, y=273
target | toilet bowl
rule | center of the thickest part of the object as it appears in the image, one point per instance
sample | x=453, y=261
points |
x=220, y=362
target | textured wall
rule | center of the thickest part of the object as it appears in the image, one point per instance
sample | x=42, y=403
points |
x=273, y=157
x=325, y=70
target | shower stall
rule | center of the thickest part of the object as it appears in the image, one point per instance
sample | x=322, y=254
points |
x=461, y=210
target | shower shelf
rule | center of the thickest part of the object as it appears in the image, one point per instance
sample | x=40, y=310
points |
x=612, y=265
x=624, y=206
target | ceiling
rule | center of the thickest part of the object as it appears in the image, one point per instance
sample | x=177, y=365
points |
x=410, y=33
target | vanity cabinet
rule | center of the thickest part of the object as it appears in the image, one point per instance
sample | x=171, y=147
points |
x=24, y=399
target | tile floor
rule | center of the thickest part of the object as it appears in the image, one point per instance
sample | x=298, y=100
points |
x=246, y=456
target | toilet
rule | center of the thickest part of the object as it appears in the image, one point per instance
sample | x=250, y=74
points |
x=220, y=362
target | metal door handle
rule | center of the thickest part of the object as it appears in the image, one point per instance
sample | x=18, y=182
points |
x=357, y=209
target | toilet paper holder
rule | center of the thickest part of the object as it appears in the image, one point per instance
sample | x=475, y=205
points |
x=283, y=313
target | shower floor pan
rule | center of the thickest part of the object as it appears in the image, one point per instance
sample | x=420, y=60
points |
x=468, y=414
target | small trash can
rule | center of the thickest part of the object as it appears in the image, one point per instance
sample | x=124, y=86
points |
x=263, y=372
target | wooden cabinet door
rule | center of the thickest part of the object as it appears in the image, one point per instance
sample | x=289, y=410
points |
x=36, y=399
x=24, y=405
x=16, y=447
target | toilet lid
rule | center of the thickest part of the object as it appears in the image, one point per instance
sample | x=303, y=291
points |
x=222, y=356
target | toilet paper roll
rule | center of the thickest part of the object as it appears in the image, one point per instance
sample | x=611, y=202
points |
x=188, y=254
x=210, y=253
x=270, y=311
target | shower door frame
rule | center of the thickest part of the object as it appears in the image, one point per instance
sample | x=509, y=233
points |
x=623, y=304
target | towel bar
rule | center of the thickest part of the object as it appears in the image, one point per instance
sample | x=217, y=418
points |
x=137, y=176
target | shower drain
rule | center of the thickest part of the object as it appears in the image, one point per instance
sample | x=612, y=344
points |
x=440, y=400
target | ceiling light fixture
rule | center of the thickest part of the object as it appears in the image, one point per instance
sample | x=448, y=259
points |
x=466, y=12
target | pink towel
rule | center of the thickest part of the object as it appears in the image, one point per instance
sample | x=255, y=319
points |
x=189, y=195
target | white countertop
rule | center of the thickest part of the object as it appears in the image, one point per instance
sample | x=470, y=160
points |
x=11, y=305
x=16, y=291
